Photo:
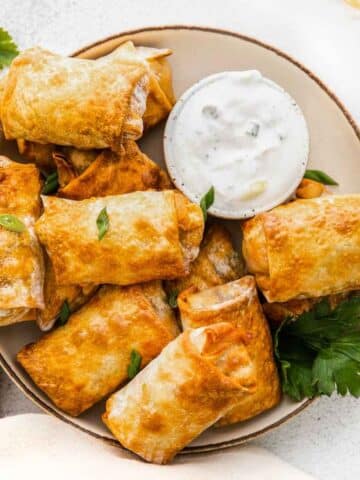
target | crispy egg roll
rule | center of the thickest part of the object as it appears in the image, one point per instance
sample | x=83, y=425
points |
x=55, y=295
x=277, y=312
x=151, y=235
x=195, y=380
x=112, y=174
x=306, y=248
x=86, y=104
x=237, y=303
x=21, y=264
x=217, y=263
x=78, y=364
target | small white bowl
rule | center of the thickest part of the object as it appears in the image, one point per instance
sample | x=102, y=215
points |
x=277, y=192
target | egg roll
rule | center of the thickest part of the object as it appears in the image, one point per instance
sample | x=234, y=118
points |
x=112, y=174
x=195, y=380
x=21, y=263
x=78, y=364
x=217, y=263
x=86, y=104
x=306, y=248
x=237, y=303
x=151, y=235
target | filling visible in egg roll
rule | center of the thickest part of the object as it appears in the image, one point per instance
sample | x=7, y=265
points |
x=237, y=302
x=150, y=235
x=112, y=174
x=21, y=264
x=305, y=249
x=195, y=380
x=217, y=263
x=87, y=104
x=78, y=364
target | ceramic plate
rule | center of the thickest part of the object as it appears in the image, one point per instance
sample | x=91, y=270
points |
x=335, y=148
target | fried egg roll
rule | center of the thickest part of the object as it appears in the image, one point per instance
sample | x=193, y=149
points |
x=21, y=264
x=217, y=263
x=86, y=104
x=111, y=174
x=150, y=235
x=78, y=364
x=237, y=303
x=195, y=380
x=306, y=248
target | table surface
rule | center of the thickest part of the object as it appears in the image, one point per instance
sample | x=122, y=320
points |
x=325, y=36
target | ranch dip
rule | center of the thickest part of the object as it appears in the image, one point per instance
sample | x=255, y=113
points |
x=242, y=134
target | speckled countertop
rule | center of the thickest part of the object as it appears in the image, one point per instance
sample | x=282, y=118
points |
x=324, y=35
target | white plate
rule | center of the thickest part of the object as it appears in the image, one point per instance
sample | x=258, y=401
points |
x=335, y=148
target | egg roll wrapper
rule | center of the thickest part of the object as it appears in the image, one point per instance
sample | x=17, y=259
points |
x=21, y=263
x=306, y=248
x=78, y=364
x=151, y=235
x=237, y=303
x=86, y=104
x=195, y=380
x=112, y=174
x=217, y=263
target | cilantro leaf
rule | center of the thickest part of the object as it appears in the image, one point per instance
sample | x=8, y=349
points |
x=102, y=223
x=8, y=49
x=319, y=352
x=172, y=298
x=206, y=201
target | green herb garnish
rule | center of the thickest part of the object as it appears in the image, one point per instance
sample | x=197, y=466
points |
x=206, y=201
x=8, y=48
x=172, y=298
x=319, y=351
x=254, y=130
x=12, y=223
x=64, y=313
x=102, y=223
x=320, y=177
x=51, y=184
x=135, y=364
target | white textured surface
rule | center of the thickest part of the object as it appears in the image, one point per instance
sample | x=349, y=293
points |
x=325, y=36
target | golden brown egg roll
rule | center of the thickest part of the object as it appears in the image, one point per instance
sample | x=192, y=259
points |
x=237, y=303
x=78, y=364
x=151, y=235
x=21, y=264
x=305, y=249
x=55, y=295
x=86, y=104
x=195, y=380
x=217, y=263
x=112, y=174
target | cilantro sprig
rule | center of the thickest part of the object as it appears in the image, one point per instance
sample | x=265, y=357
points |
x=319, y=352
x=8, y=48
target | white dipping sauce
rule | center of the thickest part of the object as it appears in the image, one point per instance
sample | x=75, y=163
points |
x=241, y=133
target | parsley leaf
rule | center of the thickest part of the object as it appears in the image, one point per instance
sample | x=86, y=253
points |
x=319, y=352
x=8, y=49
x=102, y=223
x=320, y=176
x=51, y=184
x=206, y=201
x=135, y=364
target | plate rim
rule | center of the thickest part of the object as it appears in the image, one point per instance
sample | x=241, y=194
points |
x=348, y=116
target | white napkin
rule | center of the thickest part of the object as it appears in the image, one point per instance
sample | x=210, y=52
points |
x=42, y=447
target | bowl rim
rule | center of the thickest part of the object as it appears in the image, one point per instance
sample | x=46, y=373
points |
x=226, y=32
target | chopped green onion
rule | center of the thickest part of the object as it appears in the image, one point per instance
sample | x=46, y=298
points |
x=172, y=298
x=64, y=313
x=12, y=223
x=102, y=223
x=51, y=184
x=320, y=177
x=135, y=364
x=206, y=201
